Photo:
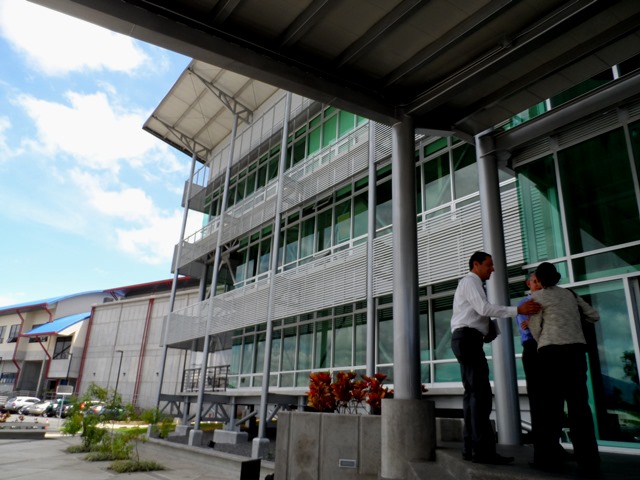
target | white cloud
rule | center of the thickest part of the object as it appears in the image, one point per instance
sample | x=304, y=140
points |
x=92, y=130
x=50, y=41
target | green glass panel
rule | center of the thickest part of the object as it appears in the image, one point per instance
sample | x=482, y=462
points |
x=251, y=183
x=299, y=150
x=447, y=372
x=323, y=344
x=361, y=339
x=307, y=237
x=442, y=310
x=259, y=364
x=437, y=182
x=434, y=147
x=615, y=399
x=289, y=349
x=325, y=221
x=329, y=131
x=361, y=120
x=236, y=350
x=313, y=141
x=617, y=262
x=465, y=170
x=424, y=330
x=265, y=256
x=286, y=380
x=315, y=121
x=384, y=205
x=425, y=373
x=346, y=123
x=276, y=343
x=634, y=133
x=385, y=335
x=601, y=210
x=232, y=197
x=343, y=341
x=291, y=250
x=273, y=167
x=247, y=355
x=540, y=211
x=360, y=212
x=342, y=231
x=584, y=87
x=243, y=257
x=302, y=379
x=305, y=347
x=262, y=176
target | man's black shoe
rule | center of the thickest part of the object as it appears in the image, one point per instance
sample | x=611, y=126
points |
x=495, y=459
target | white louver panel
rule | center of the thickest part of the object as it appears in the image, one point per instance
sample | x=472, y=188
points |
x=315, y=176
x=634, y=110
x=444, y=244
x=598, y=125
x=383, y=141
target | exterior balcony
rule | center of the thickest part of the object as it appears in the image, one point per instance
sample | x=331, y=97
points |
x=306, y=180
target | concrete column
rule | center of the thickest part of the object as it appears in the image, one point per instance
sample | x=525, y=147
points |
x=406, y=344
x=504, y=368
x=402, y=444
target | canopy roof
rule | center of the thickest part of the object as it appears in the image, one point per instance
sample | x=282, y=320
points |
x=453, y=65
x=58, y=326
x=198, y=111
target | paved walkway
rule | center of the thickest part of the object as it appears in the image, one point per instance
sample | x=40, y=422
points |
x=47, y=459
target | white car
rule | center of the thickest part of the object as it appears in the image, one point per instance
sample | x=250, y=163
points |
x=14, y=404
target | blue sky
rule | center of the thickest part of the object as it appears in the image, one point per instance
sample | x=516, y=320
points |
x=88, y=200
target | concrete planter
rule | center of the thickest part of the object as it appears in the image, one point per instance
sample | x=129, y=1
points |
x=327, y=446
x=22, y=430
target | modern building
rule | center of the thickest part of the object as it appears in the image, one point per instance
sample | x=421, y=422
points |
x=506, y=126
x=556, y=205
x=42, y=342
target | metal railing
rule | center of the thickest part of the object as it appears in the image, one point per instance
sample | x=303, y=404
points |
x=217, y=379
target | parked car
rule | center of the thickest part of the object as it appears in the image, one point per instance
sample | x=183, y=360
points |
x=53, y=410
x=14, y=404
x=36, y=408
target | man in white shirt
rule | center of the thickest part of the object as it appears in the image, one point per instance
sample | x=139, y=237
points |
x=470, y=326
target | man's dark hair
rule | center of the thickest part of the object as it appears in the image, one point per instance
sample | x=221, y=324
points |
x=477, y=257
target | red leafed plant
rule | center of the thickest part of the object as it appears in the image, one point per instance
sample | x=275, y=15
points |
x=346, y=394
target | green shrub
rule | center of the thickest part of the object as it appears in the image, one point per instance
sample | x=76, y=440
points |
x=128, y=466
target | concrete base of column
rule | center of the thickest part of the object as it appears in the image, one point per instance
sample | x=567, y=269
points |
x=227, y=436
x=195, y=438
x=408, y=434
x=259, y=447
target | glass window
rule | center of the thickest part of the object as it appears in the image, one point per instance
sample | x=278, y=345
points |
x=325, y=219
x=313, y=144
x=307, y=240
x=442, y=310
x=437, y=182
x=343, y=341
x=466, y=170
x=384, y=205
x=540, y=211
x=62, y=347
x=385, y=335
x=613, y=365
x=276, y=343
x=617, y=262
x=329, y=131
x=2, y=329
x=14, y=330
x=342, y=230
x=259, y=364
x=291, y=251
x=305, y=347
x=323, y=344
x=347, y=122
x=247, y=355
x=289, y=349
x=360, y=214
x=265, y=255
x=601, y=209
x=299, y=150
x=361, y=339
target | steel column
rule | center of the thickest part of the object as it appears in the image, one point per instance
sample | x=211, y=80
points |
x=406, y=341
x=504, y=368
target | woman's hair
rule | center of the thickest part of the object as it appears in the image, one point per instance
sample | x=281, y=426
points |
x=547, y=274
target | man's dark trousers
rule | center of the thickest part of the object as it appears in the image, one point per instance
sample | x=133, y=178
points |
x=479, y=437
